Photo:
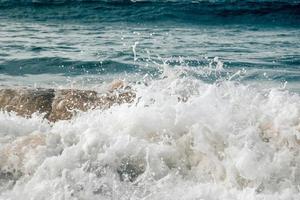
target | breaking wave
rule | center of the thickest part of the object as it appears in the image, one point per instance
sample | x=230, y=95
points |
x=181, y=138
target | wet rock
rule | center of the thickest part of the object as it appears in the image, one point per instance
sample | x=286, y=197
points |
x=25, y=102
x=62, y=104
x=67, y=102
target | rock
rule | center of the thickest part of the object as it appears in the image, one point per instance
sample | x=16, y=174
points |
x=67, y=102
x=62, y=104
x=25, y=102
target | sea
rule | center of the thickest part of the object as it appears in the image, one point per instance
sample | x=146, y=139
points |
x=217, y=108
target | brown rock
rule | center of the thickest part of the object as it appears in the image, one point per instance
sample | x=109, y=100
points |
x=62, y=104
x=67, y=102
x=25, y=102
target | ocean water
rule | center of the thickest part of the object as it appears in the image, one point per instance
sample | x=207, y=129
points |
x=217, y=112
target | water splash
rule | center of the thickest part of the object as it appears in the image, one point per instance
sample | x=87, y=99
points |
x=181, y=137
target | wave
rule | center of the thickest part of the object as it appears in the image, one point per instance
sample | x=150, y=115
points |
x=67, y=67
x=180, y=139
x=191, y=11
x=204, y=69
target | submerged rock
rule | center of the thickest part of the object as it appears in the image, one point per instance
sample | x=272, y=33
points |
x=62, y=104
x=12, y=155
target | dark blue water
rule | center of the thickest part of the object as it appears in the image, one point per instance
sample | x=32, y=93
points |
x=95, y=39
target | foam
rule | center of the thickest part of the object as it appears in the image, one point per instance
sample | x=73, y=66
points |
x=224, y=141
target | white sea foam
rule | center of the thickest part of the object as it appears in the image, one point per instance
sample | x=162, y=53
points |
x=181, y=139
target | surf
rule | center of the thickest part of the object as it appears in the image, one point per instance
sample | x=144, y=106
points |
x=179, y=137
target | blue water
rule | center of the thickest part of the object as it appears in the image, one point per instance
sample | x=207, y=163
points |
x=217, y=108
x=70, y=40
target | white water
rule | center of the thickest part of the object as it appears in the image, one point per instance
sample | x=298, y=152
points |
x=181, y=139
